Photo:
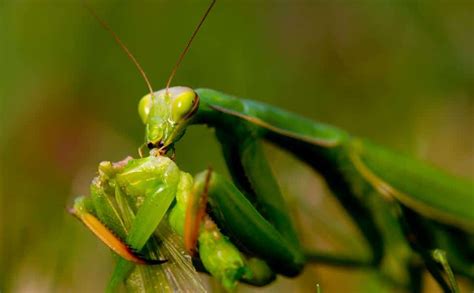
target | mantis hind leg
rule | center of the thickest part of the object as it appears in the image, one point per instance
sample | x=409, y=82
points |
x=418, y=234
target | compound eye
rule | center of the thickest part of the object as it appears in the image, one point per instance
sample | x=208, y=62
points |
x=183, y=105
x=144, y=107
x=150, y=145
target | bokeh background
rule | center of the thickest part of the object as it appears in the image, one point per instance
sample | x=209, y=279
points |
x=398, y=72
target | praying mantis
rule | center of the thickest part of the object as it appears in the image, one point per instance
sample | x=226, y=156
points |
x=241, y=230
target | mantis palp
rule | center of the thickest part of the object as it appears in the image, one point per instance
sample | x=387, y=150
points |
x=249, y=223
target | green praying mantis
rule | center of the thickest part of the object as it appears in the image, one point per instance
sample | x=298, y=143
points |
x=241, y=230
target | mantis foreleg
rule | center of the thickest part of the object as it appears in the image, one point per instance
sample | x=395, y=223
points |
x=251, y=172
x=248, y=229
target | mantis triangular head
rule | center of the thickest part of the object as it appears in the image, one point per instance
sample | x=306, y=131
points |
x=165, y=114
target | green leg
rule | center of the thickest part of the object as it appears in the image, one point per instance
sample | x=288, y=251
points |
x=217, y=254
x=142, y=227
x=439, y=256
x=251, y=172
x=418, y=232
x=101, y=214
x=247, y=228
x=459, y=246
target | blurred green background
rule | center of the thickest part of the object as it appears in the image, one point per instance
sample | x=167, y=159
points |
x=398, y=72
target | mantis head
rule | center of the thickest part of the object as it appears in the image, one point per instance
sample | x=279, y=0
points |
x=166, y=114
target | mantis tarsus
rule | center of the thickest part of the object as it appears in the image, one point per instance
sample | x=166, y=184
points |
x=243, y=232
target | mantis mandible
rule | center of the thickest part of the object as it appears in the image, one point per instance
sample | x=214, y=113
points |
x=240, y=230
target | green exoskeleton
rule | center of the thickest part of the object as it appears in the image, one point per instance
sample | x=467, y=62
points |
x=412, y=215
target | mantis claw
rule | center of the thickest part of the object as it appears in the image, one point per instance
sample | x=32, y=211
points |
x=148, y=261
x=110, y=239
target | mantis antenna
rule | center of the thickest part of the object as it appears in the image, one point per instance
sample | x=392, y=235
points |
x=188, y=45
x=121, y=44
